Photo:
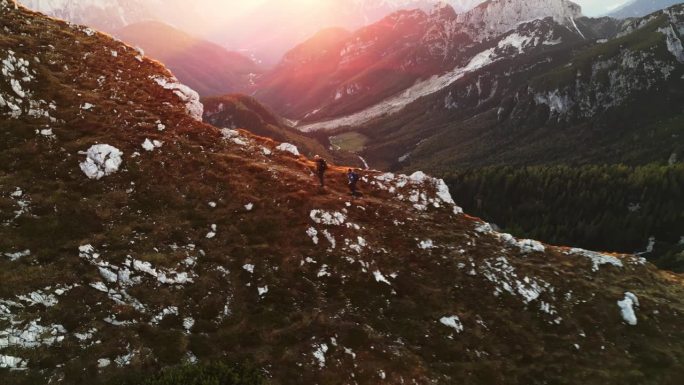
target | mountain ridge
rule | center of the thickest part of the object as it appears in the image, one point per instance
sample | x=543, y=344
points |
x=495, y=17
x=384, y=60
x=206, y=67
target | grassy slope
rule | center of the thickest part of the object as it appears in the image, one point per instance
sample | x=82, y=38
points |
x=160, y=199
x=241, y=111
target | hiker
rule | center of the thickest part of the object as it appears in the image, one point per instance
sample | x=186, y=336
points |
x=321, y=167
x=352, y=178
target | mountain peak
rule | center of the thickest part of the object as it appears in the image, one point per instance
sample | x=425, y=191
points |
x=495, y=17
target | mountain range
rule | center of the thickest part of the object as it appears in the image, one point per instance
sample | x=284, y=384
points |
x=234, y=24
x=135, y=237
x=553, y=92
x=337, y=73
x=204, y=66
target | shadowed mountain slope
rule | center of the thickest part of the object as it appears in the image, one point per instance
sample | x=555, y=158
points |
x=206, y=67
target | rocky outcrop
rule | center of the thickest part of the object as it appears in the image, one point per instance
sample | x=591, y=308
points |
x=495, y=17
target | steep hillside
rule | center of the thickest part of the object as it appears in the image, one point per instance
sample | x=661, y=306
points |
x=336, y=73
x=577, y=102
x=206, y=67
x=135, y=237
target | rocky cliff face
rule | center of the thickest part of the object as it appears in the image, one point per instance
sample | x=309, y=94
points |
x=495, y=17
x=608, y=82
x=337, y=72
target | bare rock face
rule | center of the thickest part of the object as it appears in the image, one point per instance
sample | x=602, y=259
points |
x=495, y=17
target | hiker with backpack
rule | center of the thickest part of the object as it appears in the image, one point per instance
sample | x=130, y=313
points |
x=321, y=168
x=353, y=178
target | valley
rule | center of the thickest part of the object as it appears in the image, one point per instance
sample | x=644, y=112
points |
x=544, y=96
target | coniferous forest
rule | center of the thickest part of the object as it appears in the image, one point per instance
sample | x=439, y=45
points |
x=603, y=207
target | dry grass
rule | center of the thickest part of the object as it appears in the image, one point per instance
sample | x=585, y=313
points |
x=160, y=200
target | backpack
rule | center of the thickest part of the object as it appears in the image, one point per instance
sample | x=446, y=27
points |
x=322, y=165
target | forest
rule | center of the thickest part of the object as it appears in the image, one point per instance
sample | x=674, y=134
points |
x=631, y=209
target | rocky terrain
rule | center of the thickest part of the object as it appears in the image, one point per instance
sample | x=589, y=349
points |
x=135, y=237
